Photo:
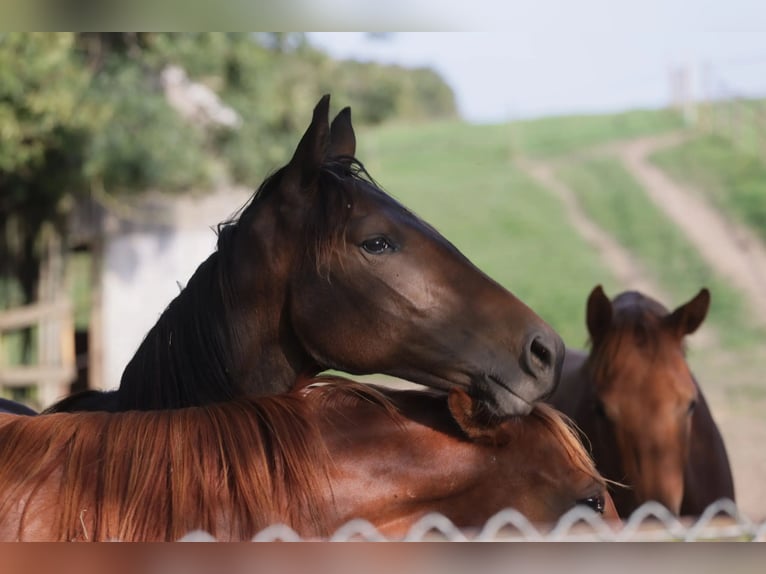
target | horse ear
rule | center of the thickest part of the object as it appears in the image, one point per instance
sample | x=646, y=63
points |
x=342, y=138
x=689, y=316
x=599, y=313
x=476, y=423
x=303, y=169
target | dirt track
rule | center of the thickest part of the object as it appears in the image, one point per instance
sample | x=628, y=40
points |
x=732, y=250
x=731, y=381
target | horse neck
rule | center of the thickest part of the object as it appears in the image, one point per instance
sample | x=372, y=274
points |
x=402, y=460
x=222, y=337
x=267, y=355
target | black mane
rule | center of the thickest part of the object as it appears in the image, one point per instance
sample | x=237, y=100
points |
x=185, y=359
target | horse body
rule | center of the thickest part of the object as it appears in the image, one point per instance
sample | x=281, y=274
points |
x=640, y=407
x=323, y=270
x=313, y=459
x=16, y=408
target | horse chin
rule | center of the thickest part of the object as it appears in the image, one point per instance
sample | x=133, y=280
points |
x=500, y=399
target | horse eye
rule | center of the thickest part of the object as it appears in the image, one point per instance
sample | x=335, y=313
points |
x=598, y=408
x=692, y=406
x=596, y=503
x=376, y=245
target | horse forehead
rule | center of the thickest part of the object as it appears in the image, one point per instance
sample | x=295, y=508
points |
x=370, y=201
x=651, y=389
x=394, y=218
x=653, y=370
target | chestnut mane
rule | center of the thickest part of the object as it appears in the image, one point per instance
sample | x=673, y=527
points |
x=155, y=475
x=230, y=469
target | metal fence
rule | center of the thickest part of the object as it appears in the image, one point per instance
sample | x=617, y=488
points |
x=652, y=522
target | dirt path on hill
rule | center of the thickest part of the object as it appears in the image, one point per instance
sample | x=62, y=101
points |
x=732, y=250
x=732, y=380
x=626, y=268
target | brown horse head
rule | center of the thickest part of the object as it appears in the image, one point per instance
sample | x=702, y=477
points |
x=643, y=388
x=452, y=456
x=547, y=453
x=328, y=271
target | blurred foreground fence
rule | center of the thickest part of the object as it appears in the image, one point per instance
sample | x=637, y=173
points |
x=652, y=522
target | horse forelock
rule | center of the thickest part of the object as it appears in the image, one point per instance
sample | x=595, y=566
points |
x=230, y=469
x=637, y=321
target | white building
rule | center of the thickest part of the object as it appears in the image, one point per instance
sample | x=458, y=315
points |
x=144, y=264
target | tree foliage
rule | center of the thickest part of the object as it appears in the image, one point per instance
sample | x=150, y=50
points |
x=43, y=130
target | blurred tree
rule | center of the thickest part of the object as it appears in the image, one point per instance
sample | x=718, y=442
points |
x=43, y=132
x=74, y=110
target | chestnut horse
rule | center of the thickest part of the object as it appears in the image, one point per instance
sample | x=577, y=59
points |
x=313, y=459
x=639, y=405
x=324, y=270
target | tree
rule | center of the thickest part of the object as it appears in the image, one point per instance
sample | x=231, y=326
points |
x=42, y=134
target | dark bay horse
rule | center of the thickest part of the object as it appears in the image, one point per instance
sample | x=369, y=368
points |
x=639, y=405
x=323, y=270
x=313, y=459
x=16, y=408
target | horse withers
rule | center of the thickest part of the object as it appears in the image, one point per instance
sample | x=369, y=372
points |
x=312, y=459
x=636, y=400
x=323, y=270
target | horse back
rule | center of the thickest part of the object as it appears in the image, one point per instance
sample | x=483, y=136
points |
x=14, y=408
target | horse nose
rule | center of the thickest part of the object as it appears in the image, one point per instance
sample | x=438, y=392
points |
x=543, y=356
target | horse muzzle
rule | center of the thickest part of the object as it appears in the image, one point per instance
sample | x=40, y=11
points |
x=514, y=389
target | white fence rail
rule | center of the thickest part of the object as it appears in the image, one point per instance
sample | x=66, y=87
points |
x=652, y=522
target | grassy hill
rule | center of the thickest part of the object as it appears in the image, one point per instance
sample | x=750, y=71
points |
x=733, y=178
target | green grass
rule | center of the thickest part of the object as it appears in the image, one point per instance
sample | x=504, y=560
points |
x=460, y=179
x=741, y=121
x=12, y=343
x=732, y=179
x=553, y=136
x=617, y=203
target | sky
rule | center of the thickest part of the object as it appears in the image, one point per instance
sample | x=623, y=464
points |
x=585, y=56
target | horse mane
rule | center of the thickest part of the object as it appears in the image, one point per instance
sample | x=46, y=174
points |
x=189, y=348
x=230, y=469
x=565, y=433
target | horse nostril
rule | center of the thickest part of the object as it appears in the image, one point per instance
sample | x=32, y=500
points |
x=540, y=355
x=542, y=358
